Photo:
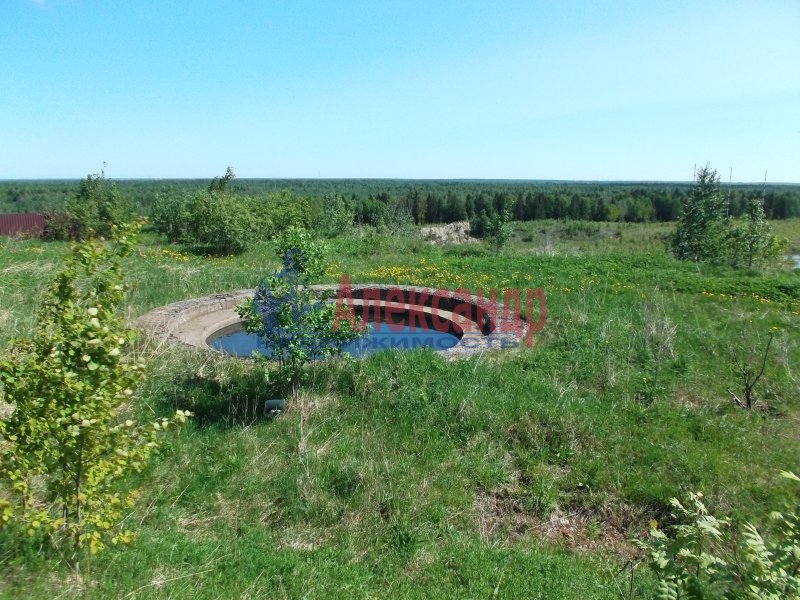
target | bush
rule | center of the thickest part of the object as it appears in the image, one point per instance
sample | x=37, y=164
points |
x=498, y=230
x=750, y=241
x=294, y=324
x=396, y=219
x=336, y=216
x=219, y=223
x=170, y=216
x=56, y=226
x=66, y=445
x=212, y=222
x=262, y=218
x=276, y=212
x=706, y=233
x=305, y=253
x=708, y=558
x=478, y=225
x=94, y=211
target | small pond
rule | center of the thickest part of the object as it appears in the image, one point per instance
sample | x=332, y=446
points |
x=399, y=317
x=382, y=336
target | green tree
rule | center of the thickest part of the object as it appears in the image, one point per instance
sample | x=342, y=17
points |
x=750, y=241
x=703, y=221
x=68, y=443
x=336, y=216
x=95, y=210
x=395, y=219
x=305, y=253
x=220, y=223
x=170, y=215
x=222, y=184
x=479, y=224
x=295, y=323
x=419, y=207
x=498, y=230
x=454, y=209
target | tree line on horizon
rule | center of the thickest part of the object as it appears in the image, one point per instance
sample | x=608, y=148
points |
x=220, y=220
x=435, y=202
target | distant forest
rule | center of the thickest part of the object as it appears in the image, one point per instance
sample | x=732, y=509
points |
x=438, y=201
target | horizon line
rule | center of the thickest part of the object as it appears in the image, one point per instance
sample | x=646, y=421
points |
x=404, y=179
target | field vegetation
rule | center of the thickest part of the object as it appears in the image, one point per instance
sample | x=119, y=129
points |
x=521, y=473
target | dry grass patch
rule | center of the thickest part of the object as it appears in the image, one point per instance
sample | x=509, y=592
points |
x=305, y=539
x=502, y=516
x=32, y=267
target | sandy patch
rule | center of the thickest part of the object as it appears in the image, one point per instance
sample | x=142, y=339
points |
x=452, y=233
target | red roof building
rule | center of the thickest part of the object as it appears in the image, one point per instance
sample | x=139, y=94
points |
x=27, y=224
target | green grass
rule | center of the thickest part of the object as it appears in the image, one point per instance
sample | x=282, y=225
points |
x=515, y=474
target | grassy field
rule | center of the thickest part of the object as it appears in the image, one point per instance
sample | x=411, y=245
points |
x=513, y=474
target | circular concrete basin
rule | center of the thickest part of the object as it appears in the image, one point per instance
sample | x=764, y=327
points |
x=479, y=324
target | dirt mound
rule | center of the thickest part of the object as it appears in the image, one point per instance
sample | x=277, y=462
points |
x=452, y=233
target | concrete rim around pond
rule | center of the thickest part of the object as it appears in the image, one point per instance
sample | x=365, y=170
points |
x=191, y=323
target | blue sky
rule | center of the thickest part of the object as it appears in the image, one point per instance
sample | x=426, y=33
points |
x=516, y=90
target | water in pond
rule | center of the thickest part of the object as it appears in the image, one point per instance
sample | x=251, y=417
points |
x=240, y=343
x=795, y=258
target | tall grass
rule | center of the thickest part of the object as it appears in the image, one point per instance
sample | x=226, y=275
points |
x=514, y=474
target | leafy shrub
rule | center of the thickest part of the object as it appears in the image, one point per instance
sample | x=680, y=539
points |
x=336, y=216
x=278, y=211
x=305, y=253
x=261, y=214
x=294, y=324
x=705, y=232
x=94, y=211
x=56, y=226
x=212, y=222
x=396, y=219
x=219, y=223
x=750, y=240
x=66, y=444
x=478, y=225
x=170, y=216
x=498, y=230
x=707, y=558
